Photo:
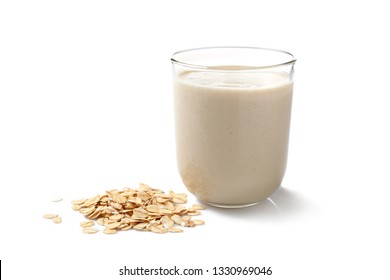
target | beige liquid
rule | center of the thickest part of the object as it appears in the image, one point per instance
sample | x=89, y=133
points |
x=232, y=134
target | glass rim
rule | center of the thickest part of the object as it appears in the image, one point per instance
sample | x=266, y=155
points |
x=291, y=61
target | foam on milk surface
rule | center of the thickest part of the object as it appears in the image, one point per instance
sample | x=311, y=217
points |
x=235, y=80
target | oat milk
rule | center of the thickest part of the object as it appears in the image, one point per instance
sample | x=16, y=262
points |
x=232, y=133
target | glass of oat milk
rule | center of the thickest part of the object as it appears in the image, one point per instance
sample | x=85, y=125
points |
x=232, y=118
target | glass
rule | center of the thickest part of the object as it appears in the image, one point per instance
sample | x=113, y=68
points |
x=232, y=119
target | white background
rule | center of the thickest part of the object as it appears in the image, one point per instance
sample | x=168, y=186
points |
x=86, y=105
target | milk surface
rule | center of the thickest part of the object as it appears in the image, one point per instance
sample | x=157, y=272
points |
x=232, y=132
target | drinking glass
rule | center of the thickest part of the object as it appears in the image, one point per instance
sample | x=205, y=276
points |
x=232, y=119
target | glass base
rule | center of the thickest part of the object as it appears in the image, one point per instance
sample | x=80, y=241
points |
x=231, y=205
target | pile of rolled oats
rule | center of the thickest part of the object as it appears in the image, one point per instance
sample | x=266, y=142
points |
x=144, y=208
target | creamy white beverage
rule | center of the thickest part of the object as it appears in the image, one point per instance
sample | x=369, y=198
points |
x=232, y=132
